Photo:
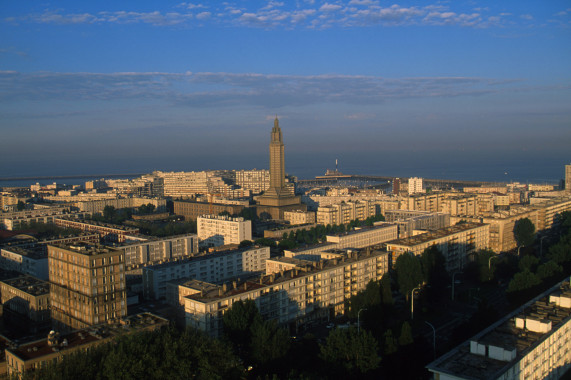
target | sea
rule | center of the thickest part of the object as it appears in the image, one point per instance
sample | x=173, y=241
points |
x=307, y=167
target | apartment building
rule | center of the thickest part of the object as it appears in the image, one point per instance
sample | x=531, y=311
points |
x=409, y=221
x=97, y=206
x=254, y=180
x=533, y=342
x=344, y=212
x=299, y=217
x=414, y=185
x=157, y=250
x=40, y=353
x=87, y=285
x=548, y=210
x=214, y=231
x=26, y=303
x=192, y=210
x=110, y=232
x=502, y=225
x=455, y=243
x=16, y=219
x=309, y=292
x=214, y=267
x=365, y=236
x=31, y=260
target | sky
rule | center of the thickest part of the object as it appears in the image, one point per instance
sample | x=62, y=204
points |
x=438, y=89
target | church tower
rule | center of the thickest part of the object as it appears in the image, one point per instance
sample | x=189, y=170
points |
x=278, y=198
x=277, y=164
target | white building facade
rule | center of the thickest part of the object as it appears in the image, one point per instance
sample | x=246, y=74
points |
x=214, y=231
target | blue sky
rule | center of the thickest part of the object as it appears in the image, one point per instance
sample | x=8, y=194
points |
x=442, y=88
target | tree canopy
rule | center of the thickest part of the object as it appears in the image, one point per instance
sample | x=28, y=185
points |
x=524, y=232
x=409, y=273
x=351, y=351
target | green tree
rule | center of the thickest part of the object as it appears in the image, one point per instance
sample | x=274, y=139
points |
x=528, y=263
x=390, y=346
x=146, y=209
x=386, y=291
x=246, y=243
x=20, y=206
x=109, y=213
x=351, y=351
x=268, y=342
x=265, y=242
x=524, y=232
x=287, y=244
x=238, y=320
x=409, y=273
x=405, y=337
x=366, y=298
x=549, y=270
x=523, y=281
x=248, y=213
x=433, y=268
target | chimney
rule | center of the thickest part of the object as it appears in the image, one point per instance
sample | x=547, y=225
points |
x=224, y=287
x=234, y=284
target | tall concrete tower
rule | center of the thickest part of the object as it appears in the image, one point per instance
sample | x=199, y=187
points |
x=278, y=198
x=277, y=164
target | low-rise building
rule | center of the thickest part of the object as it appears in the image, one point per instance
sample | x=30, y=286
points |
x=502, y=225
x=26, y=303
x=32, y=261
x=365, y=236
x=40, y=353
x=214, y=231
x=533, y=342
x=344, y=212
x=156, y=250
x=292, y=297
x=299, y=217
x=215, y=267
x=409, y=221
x=455, y=243
x=112, y=233
x=192, y=210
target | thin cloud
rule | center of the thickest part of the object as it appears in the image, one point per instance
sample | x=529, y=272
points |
x=276, y=14
x=219, y=89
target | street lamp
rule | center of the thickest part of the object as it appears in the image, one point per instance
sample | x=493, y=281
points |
x=490, y=265
x=433, y=338
x=412, y=302
x=359, y=321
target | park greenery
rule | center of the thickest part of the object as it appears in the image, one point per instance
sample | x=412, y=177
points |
x=162, y=354
x=166, y=228
x=46, y=230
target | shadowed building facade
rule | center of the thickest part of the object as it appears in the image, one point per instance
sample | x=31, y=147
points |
x=278, y=198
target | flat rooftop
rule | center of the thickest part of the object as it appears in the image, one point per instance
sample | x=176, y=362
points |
x=29, y=284
x=437, y=234
x=510, y=335
x=87, y=248
x=98, y=224
x=134, y=323
x=204, y=256
x=312, y=268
